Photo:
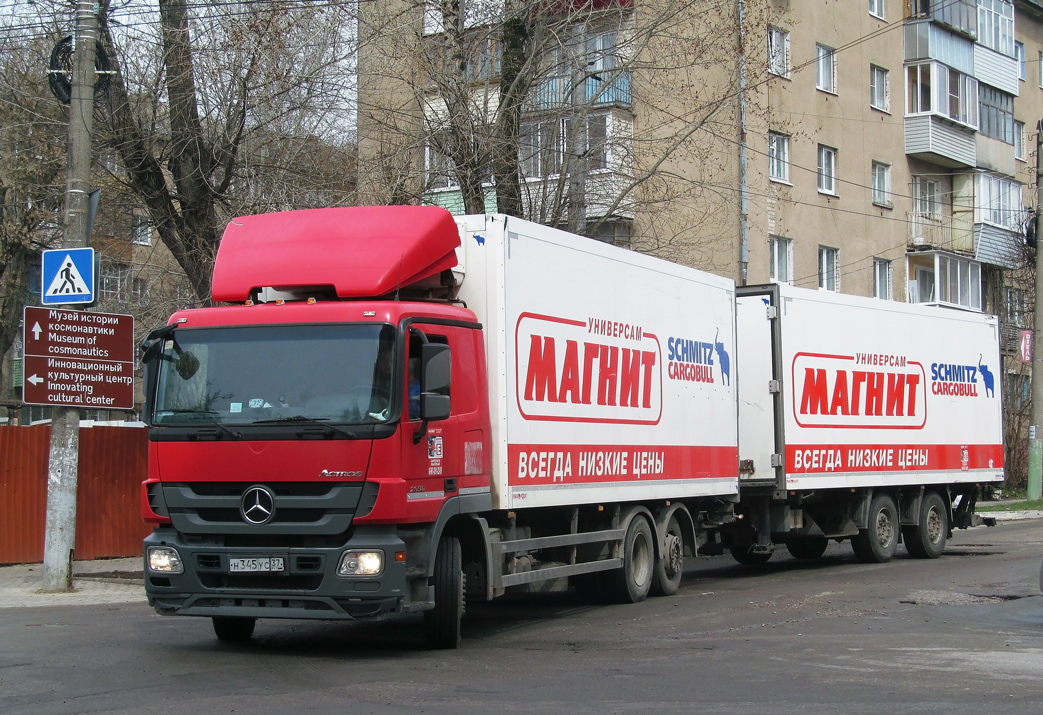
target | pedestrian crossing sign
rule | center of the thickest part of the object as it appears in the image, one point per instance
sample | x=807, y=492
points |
x=68, y=276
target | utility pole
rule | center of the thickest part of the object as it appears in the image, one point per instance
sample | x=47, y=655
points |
x=1035, y=478
x=60, y=537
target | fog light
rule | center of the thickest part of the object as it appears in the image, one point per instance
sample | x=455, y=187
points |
x=361, y=563
x=164, y=559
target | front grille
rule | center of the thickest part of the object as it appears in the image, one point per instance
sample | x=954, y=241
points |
x=208, y=561
x=305, y=508
x=308, y=563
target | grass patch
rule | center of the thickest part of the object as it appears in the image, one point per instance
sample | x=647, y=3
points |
x=1012, y=506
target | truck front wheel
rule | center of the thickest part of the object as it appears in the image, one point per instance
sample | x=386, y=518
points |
x=632, y=582
x=442, y=623
x=927, y=540
x=877, y=543
x=232, y=629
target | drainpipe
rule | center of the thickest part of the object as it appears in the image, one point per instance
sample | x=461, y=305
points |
x=744, y=248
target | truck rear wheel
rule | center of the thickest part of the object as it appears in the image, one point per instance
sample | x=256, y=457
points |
x=670, y=566
x=808, y=548
x=632, y=582
x=928, y=539
x=877, y=543
x=233, y=629
x=442, y=623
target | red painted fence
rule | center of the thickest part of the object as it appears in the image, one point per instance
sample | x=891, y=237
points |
x=108, y=517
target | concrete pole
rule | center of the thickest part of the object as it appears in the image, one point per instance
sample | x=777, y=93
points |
x=1035, y=477
x=60, y=536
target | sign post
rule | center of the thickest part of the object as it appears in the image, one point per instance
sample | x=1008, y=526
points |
x=78, y=359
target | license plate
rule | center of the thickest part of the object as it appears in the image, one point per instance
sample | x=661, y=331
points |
x=272, y=563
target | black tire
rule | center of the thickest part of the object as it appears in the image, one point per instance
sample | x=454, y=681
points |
x=747, y=557
x=442, y=623
x=233, y=629
x=927, y=541
x=670, y=566
x=631, y=583
x=808, y=548
x=876, y=544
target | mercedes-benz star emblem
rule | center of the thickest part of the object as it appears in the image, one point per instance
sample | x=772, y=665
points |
x=257, y=505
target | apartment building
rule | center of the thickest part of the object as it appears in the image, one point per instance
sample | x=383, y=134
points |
x=882, y=147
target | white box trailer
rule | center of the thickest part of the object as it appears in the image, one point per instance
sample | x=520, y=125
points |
x=849, y=403
x=611, y=373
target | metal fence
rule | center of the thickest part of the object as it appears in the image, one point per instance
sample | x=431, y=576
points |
x=113, y=463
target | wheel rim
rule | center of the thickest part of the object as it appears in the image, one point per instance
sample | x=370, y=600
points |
x=674, y=560
x=641, y=561
x=933, y=527
x=885, y=528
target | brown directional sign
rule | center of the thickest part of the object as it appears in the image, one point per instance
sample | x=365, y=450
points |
x=78, y=359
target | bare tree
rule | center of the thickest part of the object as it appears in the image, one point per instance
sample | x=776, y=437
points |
x=32, y=171
x=569, y=114
x=215, y=105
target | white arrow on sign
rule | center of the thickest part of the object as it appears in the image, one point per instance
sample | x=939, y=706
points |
x=36, y=331
x=36, y=380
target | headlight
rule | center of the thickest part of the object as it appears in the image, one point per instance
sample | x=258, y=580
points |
x=164, y=559
x=361, y=563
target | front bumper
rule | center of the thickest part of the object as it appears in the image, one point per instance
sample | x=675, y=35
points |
x=308, y=587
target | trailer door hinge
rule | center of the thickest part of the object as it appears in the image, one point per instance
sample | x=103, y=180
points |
x=773, y=312
x=776, y=460
x=774, y=386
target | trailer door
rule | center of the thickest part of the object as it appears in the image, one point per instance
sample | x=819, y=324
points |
x=759, y=383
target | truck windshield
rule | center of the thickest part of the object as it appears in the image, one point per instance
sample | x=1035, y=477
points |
x=272, y=373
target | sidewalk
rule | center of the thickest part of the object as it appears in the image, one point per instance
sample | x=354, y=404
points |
x=94, y=582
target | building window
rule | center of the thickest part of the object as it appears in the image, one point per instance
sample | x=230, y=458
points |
x=876, y=8
x=921, y=287
x=114, y=282
x=926, y=202
x=959, y=281
x=778, y=52
x=439, y=169
x=1019, y=140
x=998, y=202
x=141, y=231
x=996, y=25
x=597, y=138
x=997, y=114
x=781, y=259
x=1019, y=54
x=882, y=184
x=778, y=156
x=826, y=69
x=614, y=231
x=936, y=88
x=883, y=275
x=879, y=88
x=829, y=268
x=541, y=147
x=827, y=169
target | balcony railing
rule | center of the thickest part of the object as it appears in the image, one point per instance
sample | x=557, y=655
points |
x=927, y=230
x=556, y=92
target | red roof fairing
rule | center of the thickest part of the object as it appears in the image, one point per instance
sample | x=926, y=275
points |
x=365, y=251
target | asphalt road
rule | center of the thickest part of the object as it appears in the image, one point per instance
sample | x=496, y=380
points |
x=960, y=634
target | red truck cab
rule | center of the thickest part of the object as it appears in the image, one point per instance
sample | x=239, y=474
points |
x=313, y=442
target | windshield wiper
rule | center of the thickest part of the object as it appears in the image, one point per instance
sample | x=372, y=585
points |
x=320, y=421
x=208, y=416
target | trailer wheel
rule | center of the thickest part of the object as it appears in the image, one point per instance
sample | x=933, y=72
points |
x=747, y=557
x=232, y=629
x=442, y=623
x=631, y=583
x=877, y=543
x=808, y=548
x=927, y=541
x=670, y=566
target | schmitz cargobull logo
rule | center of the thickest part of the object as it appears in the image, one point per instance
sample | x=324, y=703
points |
x=862, y=391
x=592, y=371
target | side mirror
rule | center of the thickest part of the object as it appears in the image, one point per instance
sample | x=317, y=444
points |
x=435, y=379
